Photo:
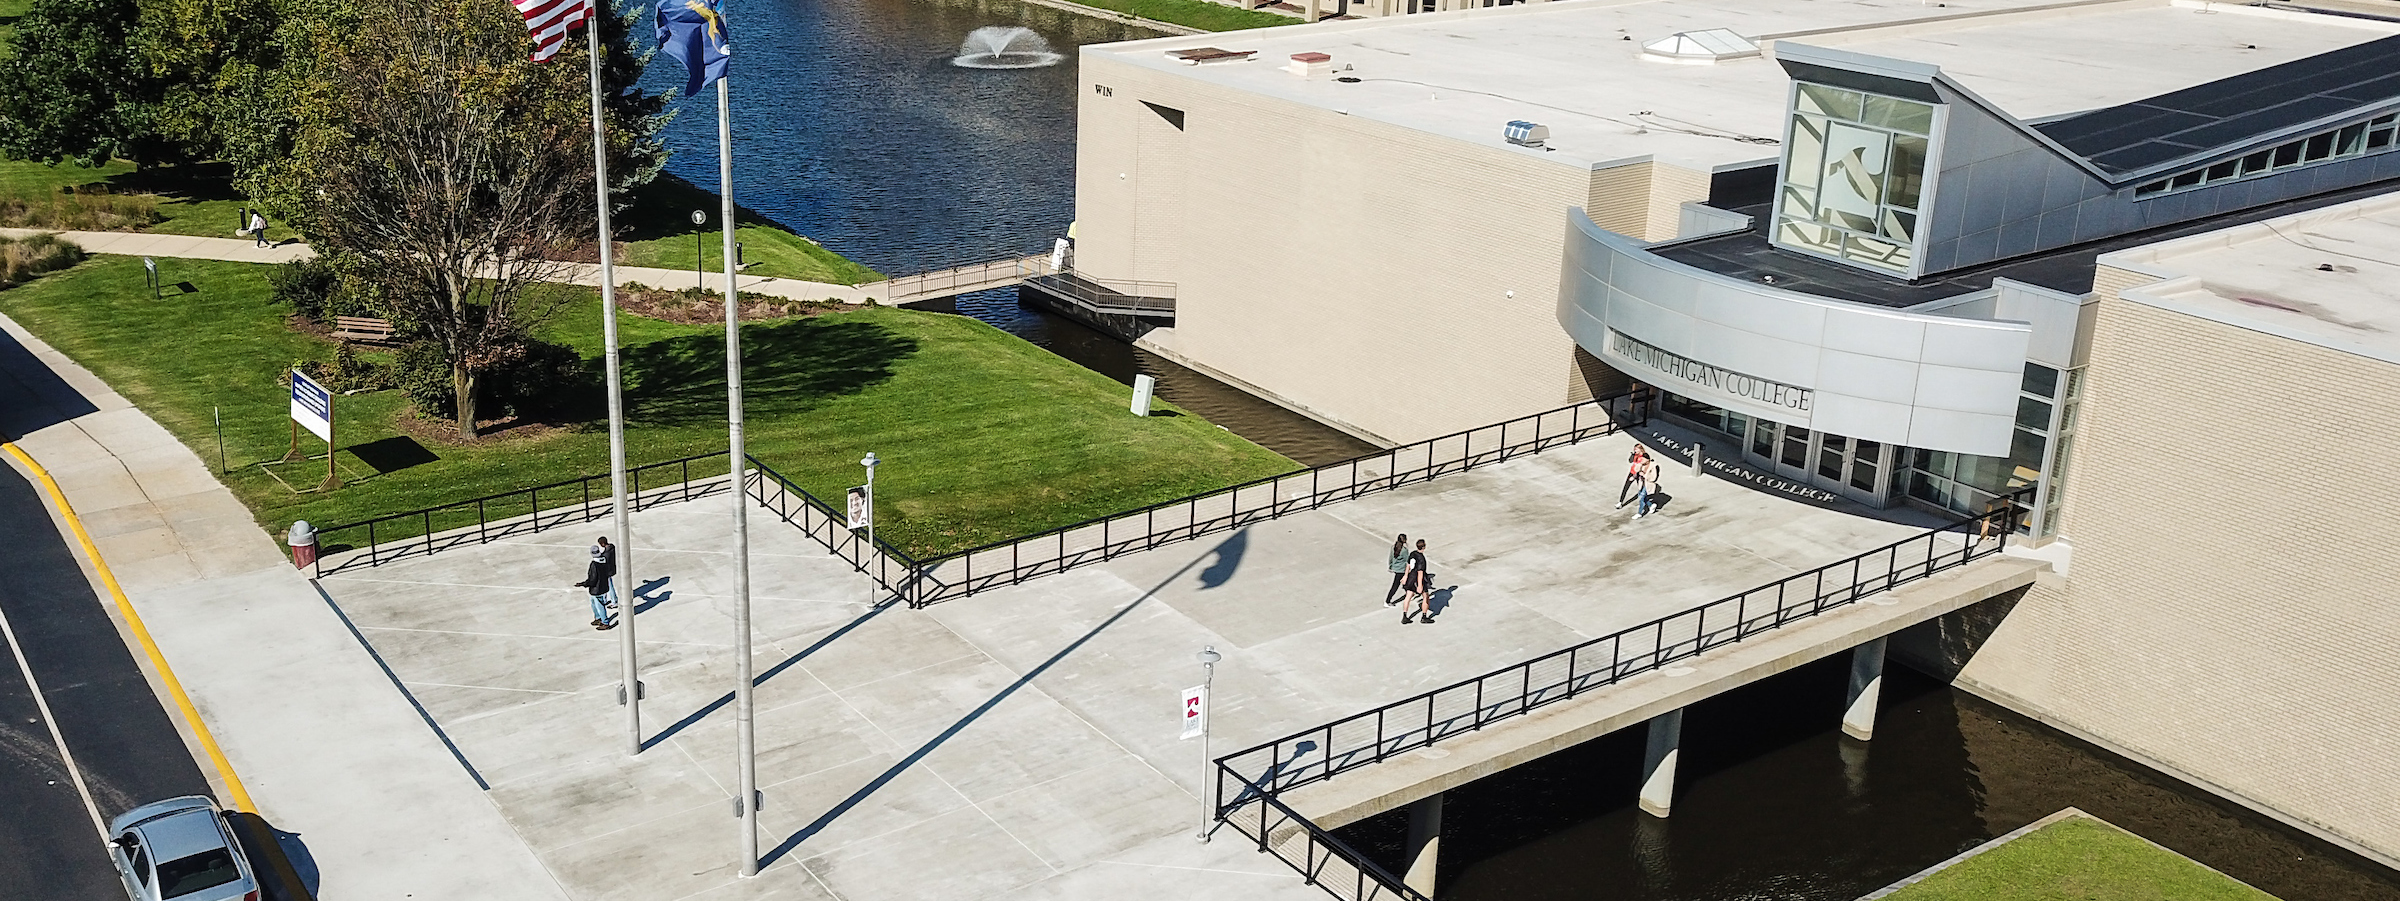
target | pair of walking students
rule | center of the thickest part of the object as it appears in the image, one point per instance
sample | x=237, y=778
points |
x=1412, y=582
x=1641, y=482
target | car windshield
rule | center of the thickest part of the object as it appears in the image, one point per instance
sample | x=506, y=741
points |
x=185, y=875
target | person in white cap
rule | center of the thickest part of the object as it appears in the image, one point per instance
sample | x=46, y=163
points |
x=600, y=580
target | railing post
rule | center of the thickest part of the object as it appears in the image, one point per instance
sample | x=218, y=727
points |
x=372, y=559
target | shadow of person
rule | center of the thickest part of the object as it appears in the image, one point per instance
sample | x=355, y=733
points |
x=1228, y=559
x=1658, y=500
x=648, y=601
x=1439, y=602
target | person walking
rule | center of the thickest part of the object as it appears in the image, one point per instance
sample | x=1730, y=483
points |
x=1649, y=479
x=1420, y=586
x=600, y=579
x=1633, y=475
x=258, y=228
x=1398, y=564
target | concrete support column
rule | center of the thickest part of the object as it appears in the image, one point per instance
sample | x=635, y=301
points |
x=1866, y=687
x=1658, y=762
x=1424, y=843
x=1310, y=12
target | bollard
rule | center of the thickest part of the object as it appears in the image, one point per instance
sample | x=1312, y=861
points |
x=1697, y=453
x=303, y=539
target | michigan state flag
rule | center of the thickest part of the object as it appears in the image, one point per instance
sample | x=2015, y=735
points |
x=693, y=33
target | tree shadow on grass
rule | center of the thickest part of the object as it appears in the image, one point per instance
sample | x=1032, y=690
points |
x=190, y=181
x=787, y=368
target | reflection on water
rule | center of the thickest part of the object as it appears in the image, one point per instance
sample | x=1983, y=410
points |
x=852, y=126
x=1775, y=803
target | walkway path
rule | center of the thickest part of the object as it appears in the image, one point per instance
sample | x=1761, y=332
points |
x=326, y=746
x=244, y=250
x=1018, y=743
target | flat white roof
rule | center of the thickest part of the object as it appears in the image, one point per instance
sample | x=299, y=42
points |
x=2329, y=277
x=1577, y=67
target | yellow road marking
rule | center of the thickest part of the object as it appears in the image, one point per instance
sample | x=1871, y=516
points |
x=141, y=633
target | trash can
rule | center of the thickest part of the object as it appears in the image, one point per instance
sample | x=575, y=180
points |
x=303, y=539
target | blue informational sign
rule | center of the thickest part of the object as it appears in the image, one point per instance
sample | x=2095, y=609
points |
x=312, y=406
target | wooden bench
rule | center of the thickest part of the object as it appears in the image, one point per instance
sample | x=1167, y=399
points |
x=363, y=329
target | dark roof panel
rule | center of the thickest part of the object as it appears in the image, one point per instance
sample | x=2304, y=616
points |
x=2234, y=110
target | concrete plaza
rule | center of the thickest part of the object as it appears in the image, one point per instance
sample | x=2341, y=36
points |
x=1017, y=743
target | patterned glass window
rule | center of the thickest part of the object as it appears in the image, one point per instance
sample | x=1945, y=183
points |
x=1854, y=175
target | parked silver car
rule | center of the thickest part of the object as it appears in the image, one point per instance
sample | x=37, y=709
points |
x=182, y=849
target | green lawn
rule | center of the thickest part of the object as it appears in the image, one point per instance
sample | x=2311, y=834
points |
x=983, y=435
x=2078, y=859
x=658, y=231
x=1197, y=14
x=10, y=12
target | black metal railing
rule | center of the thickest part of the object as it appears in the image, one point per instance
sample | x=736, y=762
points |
x=1015, y=560
x=1104, y=295
x=1317, y=754
x=924, y=581
x=1323, y=860
x=891, y=567
x=493, y=516
x=1320, y=753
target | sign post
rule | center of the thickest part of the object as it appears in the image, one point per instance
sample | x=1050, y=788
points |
x=312, y=408
x=1195, y=725
x=150, y=265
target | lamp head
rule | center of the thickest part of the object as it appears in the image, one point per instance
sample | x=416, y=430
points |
x=699, y=217
x=1209, y=655
x=869, y=460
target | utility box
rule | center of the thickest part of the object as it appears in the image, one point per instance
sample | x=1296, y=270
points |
x=1142, y=386
x=1527, y=134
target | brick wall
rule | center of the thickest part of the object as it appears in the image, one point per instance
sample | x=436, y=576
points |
x=2232, y=614
x=1395, y=281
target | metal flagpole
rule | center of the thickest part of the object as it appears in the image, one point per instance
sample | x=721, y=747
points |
x=746, y=739
x=629, y=687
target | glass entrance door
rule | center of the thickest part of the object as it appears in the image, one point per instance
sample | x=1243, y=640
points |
x=1852, y=467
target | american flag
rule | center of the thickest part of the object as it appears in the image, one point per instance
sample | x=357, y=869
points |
x=548, y=21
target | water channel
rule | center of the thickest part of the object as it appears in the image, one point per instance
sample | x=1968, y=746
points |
x=853, y=127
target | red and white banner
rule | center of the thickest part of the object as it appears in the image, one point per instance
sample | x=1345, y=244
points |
x=1195, y=712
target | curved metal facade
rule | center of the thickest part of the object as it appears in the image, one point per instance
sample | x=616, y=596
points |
x=1913, y=379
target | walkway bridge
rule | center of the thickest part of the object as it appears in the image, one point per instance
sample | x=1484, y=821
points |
x=1109, y=297
x=1283, y=795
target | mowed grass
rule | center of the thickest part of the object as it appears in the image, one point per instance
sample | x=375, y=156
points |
x=983, y=436
x=2078, y=859
x=657, y=231
x=1197, y=14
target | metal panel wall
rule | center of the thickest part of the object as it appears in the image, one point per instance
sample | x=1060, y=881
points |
x=1914, y=379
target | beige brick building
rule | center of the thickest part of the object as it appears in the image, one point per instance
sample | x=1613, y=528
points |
x=2231, y=613
x=2205, y=427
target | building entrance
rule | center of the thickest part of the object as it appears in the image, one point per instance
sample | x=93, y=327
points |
x=1854, y=468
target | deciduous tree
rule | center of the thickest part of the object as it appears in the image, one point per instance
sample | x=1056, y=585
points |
x=448, y=171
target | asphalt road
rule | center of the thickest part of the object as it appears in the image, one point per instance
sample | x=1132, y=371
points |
x=118, y=732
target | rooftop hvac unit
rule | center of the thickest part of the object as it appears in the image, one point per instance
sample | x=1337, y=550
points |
x=1527, y=134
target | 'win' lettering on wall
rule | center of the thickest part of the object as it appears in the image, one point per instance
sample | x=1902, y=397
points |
x=1724, y=380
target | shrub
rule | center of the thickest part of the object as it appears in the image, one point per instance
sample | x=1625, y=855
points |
x=90, y=208
x=531, y=380
x=348, y=372
x=311, y=287
x=23, y=258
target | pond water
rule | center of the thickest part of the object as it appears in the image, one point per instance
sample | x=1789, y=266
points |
x=853, y=126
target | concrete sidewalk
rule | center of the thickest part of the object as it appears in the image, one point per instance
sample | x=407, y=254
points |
x=326, y=745
x=1018, y=743
x=244, y=250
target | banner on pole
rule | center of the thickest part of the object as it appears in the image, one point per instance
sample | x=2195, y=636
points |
x=858, y=506
x=312, y=406
x=1195, y=712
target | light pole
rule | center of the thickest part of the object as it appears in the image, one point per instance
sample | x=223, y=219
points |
x=869, y=462
x=1208, y=679
x=700, y=250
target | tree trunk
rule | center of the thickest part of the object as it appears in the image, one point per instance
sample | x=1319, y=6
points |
x=462, y=384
